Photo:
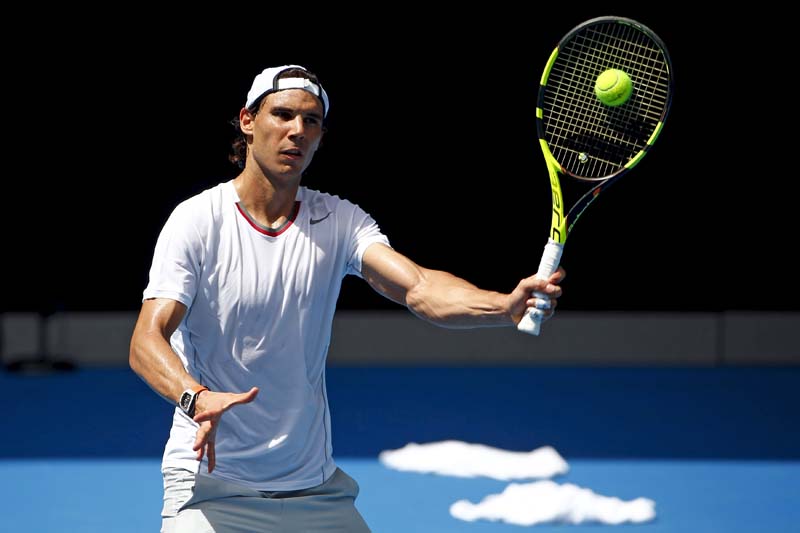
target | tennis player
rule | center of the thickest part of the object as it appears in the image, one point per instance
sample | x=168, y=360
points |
x=236, y=320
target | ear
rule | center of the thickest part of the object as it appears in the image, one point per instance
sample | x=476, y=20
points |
x=246, y=120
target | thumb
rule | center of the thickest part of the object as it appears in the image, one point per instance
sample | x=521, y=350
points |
x=221, y=402
x=245, y=397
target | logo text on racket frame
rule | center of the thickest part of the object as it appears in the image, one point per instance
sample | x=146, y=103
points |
x=557, y=224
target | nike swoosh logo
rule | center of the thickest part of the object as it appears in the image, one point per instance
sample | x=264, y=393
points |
x=318, y=220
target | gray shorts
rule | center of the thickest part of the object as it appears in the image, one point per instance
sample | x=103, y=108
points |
x=201, y=504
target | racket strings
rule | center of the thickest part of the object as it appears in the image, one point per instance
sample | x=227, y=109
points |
x=588, y=138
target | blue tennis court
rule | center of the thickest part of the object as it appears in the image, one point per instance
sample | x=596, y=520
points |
x=717, y=449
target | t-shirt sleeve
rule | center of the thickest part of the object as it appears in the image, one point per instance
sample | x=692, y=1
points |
x=177, y=258
x=365, y=233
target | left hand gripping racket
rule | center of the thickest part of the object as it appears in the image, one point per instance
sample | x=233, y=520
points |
x=585, y=139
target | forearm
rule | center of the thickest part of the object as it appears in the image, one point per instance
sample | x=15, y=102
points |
x=449, y=301
x=434, y=295
x=151, y=355
x=153, y=359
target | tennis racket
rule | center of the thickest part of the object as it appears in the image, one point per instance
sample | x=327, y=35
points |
x=585, y=139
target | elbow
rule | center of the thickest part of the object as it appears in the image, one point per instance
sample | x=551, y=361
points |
x=134, y=361
x=416, y=303
x=412, y=301
x=421, y=307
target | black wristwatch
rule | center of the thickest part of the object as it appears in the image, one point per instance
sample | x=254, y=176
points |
x=189, y=400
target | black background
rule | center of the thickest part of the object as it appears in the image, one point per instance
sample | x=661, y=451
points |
x=113, y=118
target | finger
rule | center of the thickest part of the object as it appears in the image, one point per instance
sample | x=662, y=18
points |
x=543, y=288
x=200, y=451
x=202, y=437
x=199, y=447
x=205, y=416
x=538, y=314
x=232, y=399
x=558, y=275
x=550, y=290
x=245, y=397
x=251, y=394
x=212, y=456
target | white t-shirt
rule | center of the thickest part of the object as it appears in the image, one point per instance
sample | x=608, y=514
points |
x=260, y=310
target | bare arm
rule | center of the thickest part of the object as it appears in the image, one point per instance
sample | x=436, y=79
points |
x=151, y=355
x=152, y=358
x=449, y=301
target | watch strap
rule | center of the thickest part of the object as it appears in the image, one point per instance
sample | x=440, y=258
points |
x=198, y=389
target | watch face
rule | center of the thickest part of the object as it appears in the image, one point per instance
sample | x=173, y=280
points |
x=186, y=400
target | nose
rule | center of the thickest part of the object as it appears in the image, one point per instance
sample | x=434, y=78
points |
x=298, y=127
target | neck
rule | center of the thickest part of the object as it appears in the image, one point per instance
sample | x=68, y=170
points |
x=267, y=204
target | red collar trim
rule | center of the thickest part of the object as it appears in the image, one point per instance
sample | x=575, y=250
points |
x=272, y=232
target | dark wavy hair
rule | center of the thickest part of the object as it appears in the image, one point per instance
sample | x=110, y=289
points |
x=238, y=154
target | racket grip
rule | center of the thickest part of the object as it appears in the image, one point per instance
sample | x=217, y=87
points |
x=532, y=320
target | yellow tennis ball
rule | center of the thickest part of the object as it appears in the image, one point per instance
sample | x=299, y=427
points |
x=613, y=87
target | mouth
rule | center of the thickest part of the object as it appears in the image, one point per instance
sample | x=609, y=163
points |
x=292, y=153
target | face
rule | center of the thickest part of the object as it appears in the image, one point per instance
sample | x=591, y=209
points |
x=286, y=133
